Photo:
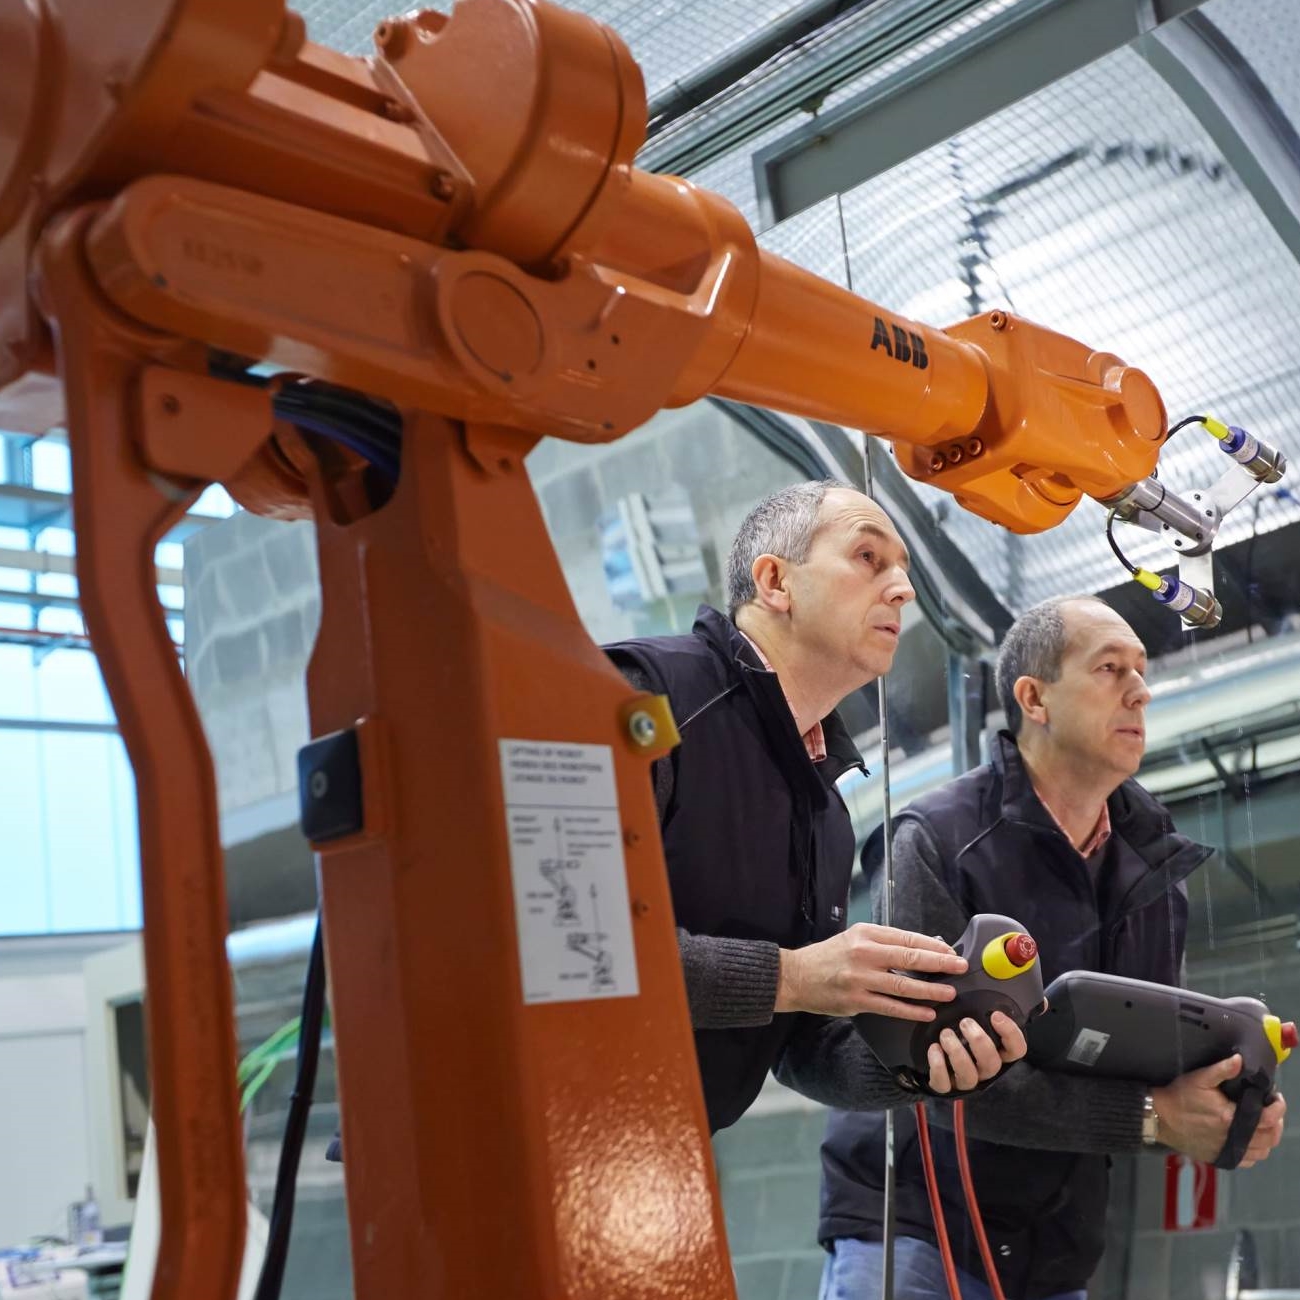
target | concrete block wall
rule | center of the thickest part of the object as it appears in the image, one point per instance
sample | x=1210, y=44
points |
x=724, y=469
x=769, y=1172
x=252, y=607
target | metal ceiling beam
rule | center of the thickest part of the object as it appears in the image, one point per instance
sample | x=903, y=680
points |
x=701, y=84
x=35, y=639
x=842, y=50
x=1216, y=81
x=53, y=724
x=1008, y=57
x=39, y=600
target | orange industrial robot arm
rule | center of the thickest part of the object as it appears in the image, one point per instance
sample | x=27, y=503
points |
x=454, y=226
x=495, y=249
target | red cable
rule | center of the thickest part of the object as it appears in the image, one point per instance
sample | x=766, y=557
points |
x=972, y=1205
x=936, y=1206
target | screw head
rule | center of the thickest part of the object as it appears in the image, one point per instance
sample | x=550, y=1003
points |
x=641, y=727
x=390, y=37
x=998, y=320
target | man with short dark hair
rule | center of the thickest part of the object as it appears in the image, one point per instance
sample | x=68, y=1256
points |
x=1056, y=833
x=758, y=842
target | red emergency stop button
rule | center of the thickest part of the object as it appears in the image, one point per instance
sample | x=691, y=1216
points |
x=1290, y=1037
x=1021, y=950
x=1008, y=955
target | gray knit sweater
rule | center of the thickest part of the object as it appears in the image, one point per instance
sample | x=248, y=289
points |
x=731, y=983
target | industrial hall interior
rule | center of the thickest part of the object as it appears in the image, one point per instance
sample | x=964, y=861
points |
x=649, y=651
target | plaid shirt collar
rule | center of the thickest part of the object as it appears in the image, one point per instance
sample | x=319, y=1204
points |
x=1096, y=839
x=814, y=739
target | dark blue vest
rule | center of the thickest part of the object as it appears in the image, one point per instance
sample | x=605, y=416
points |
x=758, y=842
x=1002, y=852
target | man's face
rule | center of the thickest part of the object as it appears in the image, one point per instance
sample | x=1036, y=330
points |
x=847, y=597
x=1096, y=710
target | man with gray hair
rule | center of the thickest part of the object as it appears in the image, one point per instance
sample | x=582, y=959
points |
x=1055, y=832
x=758, y=842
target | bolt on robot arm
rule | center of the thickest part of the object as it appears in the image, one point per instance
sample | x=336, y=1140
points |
x=454, y=226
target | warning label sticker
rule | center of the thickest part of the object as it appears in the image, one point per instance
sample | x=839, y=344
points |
x=566, y=863
x=1087, y=1046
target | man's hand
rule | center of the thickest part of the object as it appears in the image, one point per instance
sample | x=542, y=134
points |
x=952, y=1066
x=1195, y=1115
x=1268, y=1133
x=862, y=969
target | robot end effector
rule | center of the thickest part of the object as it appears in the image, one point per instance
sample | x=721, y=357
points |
x=1190, y=524
x=1060, y=422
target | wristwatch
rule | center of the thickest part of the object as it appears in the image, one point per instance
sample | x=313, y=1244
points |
x=1150, y=1122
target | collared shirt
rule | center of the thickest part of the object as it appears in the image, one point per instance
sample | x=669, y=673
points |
x=814, y=739
x=1100, y=832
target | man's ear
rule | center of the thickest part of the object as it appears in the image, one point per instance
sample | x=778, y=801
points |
x=771, y=583
x=1028, y=693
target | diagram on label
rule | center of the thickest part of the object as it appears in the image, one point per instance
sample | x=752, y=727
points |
x=590, y=944
x=555, y=871
x=566, y=858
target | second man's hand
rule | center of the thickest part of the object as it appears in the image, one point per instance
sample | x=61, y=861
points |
x=1195, y=1115
x=958, y=1066
x=866, y=968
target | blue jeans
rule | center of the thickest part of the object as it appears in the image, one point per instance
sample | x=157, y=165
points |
x=852, y=1272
